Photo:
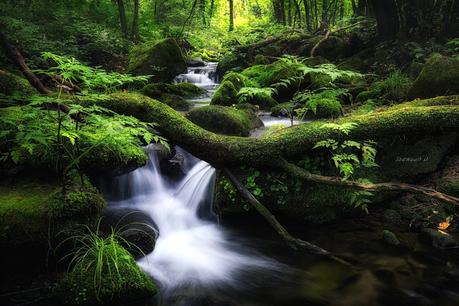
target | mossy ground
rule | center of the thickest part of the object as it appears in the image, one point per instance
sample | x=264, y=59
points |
x=11, y=84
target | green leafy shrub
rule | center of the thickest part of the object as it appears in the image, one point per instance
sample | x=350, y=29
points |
x=323, y=104
x=393, y=88
x=257, y=96
x=71, y=70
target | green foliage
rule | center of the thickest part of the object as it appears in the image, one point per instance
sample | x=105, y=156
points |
x=323, y=104
x=347, y=156
x=393, y=89
x=71, y=70
x=257, y=96
x=102, y=271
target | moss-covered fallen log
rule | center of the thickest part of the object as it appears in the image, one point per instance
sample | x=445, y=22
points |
x=438, y=115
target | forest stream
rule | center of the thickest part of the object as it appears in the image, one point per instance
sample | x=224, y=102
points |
x=229, y=153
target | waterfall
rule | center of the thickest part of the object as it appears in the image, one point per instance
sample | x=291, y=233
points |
x=190, y=250
x=204, y=77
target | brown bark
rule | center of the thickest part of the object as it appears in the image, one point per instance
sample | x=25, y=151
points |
x=391, y=186
x=16, y=57
x=292, y=242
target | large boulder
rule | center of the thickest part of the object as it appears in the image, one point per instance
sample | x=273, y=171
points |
x=13, y=84
x=440, y=76
x=225, y=120
x=163, y=59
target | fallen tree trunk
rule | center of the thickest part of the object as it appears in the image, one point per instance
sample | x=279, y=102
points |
x=16, y=57
x=418, y=117
x=294, y=243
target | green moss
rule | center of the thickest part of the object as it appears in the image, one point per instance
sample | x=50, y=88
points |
x=238, y=80
x=225, y=95
x=225, y=120
x=230, y=62
x=440, y=76
x=23, y=214
x=394, y=89
x=184, y=90
x=164, y=55
x=31, y=211
x=108, y=275
x=115, y=152
x=76, y=204
x=324, y=108
x=11, y=84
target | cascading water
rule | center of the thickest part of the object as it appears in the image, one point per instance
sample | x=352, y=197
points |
x=205, y=77
x=190, y=251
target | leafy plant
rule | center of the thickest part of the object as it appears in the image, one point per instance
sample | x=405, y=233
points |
x=323, y=103
x=76, y=73
x=248, y=94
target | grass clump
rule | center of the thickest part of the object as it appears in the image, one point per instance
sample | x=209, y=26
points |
x=103, y=272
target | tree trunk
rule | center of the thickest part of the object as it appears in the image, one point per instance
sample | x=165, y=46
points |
x=122, y=16
x=231, y=15
x=387, y=18
x=16, y=57
x=273, y=151
x=135, y=21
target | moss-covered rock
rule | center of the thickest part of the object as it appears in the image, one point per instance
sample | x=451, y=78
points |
x=164, y=55
x=237, y=79
x=184, y=90
x=226, y=95
x=440, y=76
x=231, y=62
x=324, y=108
x=12, y=84
x=31, y=211
x=225, y=120
x=107, y=275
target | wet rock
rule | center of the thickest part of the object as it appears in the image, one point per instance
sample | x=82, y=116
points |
x=164, y=55
x=439, y=239
x=196, y=62
x=139, y=240
x=173, y=167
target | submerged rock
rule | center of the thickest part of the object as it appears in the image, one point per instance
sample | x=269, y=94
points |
x=440, y=76
x=225, y=120
x=439, y=239
x=163, y=59
x=390, y=238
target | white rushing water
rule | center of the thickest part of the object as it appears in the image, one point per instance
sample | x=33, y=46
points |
x=190, y=250
x=204, y=77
